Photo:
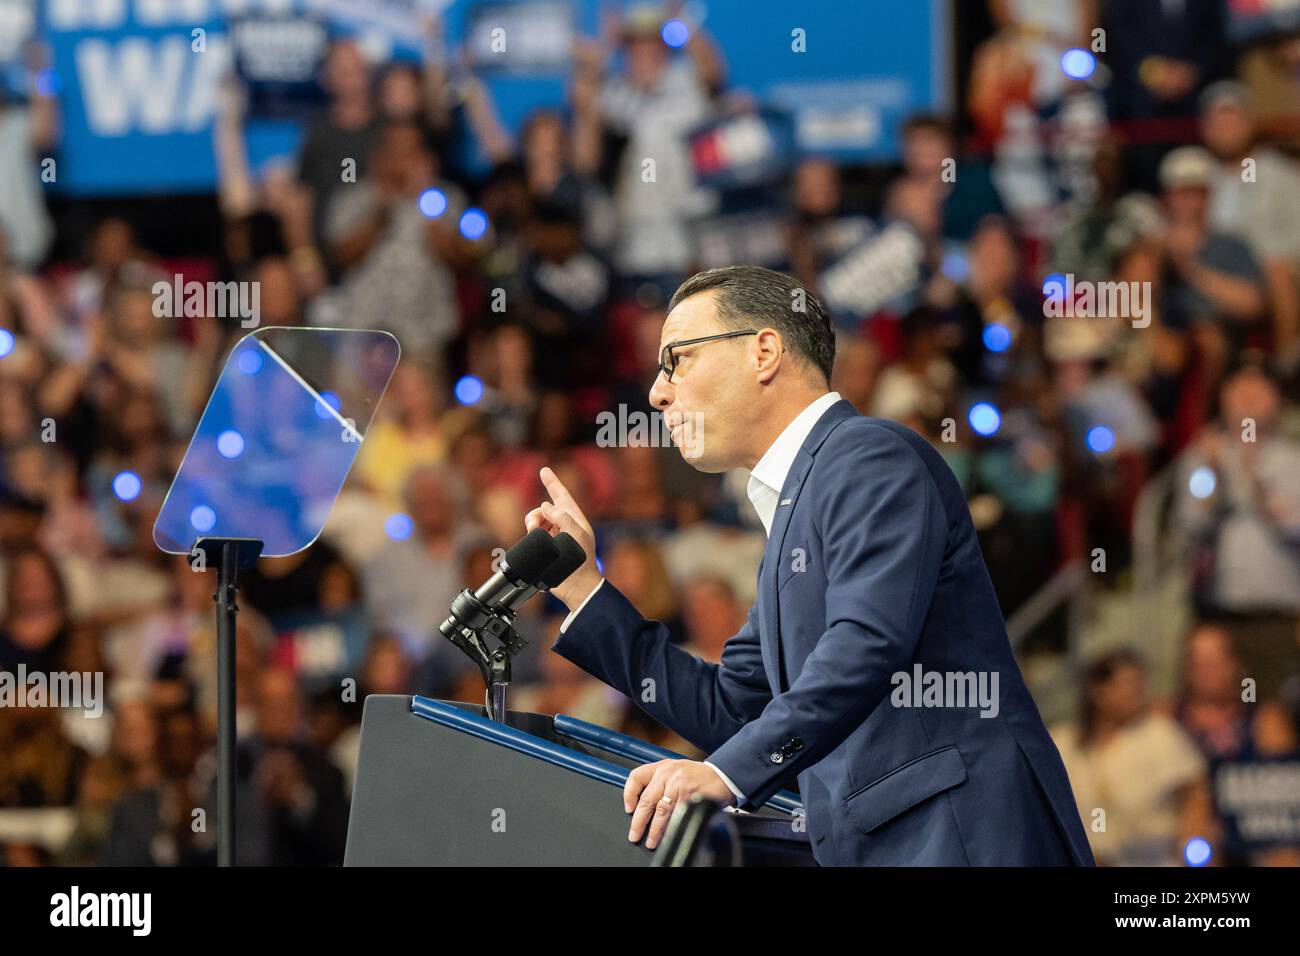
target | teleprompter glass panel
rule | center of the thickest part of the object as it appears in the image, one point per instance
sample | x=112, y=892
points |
x=281, y=429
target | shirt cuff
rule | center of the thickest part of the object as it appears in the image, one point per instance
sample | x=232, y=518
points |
x=578, y=610
x=740, y=797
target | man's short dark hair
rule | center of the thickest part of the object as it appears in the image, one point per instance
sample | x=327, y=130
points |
x=749, y=296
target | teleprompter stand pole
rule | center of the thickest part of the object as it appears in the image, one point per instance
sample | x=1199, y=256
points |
x=229, y=556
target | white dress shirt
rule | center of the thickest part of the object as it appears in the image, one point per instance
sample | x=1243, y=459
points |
x=768, y=476
x=765, y=483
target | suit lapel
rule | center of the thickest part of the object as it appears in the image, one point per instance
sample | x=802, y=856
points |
x=774, y=556
x=775, y=553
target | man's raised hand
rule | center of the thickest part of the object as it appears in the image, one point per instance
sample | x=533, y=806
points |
x=562, y=513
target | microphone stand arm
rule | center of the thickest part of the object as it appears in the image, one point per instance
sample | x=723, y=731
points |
x=493, y=663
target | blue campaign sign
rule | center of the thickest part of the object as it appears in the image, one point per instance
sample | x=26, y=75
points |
x=137, y=94
x=849, y=73
x=138, y=80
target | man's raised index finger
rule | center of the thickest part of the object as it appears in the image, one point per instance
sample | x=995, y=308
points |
x=559, y=494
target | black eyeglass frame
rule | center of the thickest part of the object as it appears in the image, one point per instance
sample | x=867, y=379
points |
x=668, y=360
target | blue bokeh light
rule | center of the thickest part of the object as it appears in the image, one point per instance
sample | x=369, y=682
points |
x=955, y=266
x=203, y=519
x=6, y=342
x=997, y=337
x=675, y=33
x=330, y=399
x=433, y=203
x=985, y=418
x=473, y=223
x=1198, y=851
x=250, y=360
x=398, y=526
x=127, y=485
x=469, y=390
x=1054, y=286
x=1078, y=64
x=1100, y=439
x=230, y=443
x=1202, y=482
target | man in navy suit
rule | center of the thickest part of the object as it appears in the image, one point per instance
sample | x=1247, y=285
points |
x=875, y=667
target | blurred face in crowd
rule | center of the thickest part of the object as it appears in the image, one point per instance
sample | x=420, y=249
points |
x=646, y=58
x=993, y=259
x=924, y=150
x=347, y=74
x=1250, y=394
x=916, y=202
x=35, y=587
x=1228, y=129
x=712, y=615
x=113, y=245
x=141, y=418
x=403, y=163
x=1108, y=168
x=1122, y=697
x=399, y=93
x=554, y=421
x=280, y=302
x=555, y=241
x=135, y=733
x=513, y=353
x=544, y=139
x=857, y=363
x=1211, y=666
x=817, y=187
x=413, y=394
x=430, y=504
x=387, y=671
x=1187, y=204
x=178, y=749
x=27, y=470
x=134, y=323
x=278, y=711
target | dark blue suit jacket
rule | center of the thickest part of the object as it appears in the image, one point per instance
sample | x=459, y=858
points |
x=872, y=567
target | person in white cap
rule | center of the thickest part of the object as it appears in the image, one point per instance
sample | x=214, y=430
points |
x=1214, y=275
x=1255, y=193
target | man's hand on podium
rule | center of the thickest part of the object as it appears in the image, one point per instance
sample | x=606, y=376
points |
x=562, y=513
x=653, y=790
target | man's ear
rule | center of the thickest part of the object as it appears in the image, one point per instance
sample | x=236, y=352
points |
x=768, y=354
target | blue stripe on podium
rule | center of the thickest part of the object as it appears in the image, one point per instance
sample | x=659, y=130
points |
x=517, y=740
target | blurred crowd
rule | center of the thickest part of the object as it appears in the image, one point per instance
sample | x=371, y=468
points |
x=1171, y=167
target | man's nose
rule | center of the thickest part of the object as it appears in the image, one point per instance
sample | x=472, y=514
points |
x=661, y=392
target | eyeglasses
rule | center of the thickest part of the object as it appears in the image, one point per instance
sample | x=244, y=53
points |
x=668, y=358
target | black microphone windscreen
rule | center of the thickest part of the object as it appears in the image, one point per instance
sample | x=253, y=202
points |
x=570, y=559
x=531, y=556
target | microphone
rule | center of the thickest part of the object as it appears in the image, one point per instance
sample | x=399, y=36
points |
x=537, y=562
x=571, y=557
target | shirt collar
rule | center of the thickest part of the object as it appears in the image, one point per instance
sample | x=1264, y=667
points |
x=768, y=476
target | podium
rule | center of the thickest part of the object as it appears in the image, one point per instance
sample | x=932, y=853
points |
x=439, y=784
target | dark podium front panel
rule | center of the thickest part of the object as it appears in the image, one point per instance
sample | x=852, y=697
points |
x=438, y=784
